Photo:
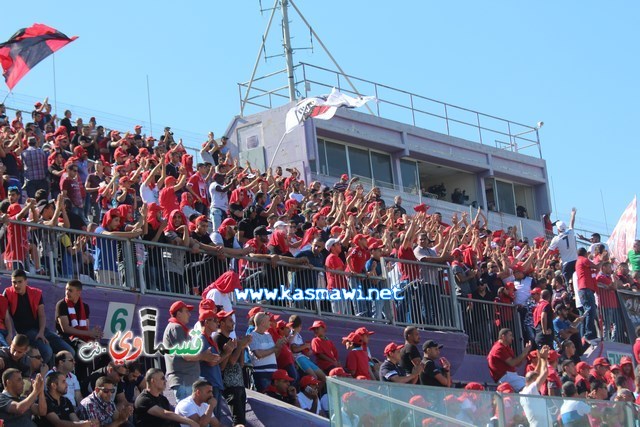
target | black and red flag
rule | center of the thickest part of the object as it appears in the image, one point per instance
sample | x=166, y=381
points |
x=26, y=48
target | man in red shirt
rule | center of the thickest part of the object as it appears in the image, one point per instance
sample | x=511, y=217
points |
x=324, y=349
x=356, y=259
x=608, y=299
x=587, y=287
x=197, y=185
x=503, y=361
x=410, y=271
x=358, y=359
x=636, y=346
x=335, y=280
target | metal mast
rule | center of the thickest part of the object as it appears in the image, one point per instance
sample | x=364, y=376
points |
x=288, y=51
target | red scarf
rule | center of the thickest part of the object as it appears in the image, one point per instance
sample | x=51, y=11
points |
x=537, y=312
x=211, y=342
x=78, y=320
x=184, y=327
x=33, y=294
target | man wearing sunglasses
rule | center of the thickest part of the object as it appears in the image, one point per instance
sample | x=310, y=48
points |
x=99, y=406
x=116, y=374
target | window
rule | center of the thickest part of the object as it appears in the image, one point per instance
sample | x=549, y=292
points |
x=409, y=173
x=359, y=162
x=336, y=158
x=382, y=173
x=506, y=199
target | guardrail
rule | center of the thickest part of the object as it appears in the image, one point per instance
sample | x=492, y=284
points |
x=397, y=104
x=428, y=290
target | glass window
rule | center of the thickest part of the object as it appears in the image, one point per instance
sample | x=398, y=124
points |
x=359, y=163
x=337, y=158
x=409, y=173
x=506, y=200
x=382, y=169
x=321, y=161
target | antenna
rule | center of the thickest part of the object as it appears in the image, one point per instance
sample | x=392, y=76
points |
x=288, y=52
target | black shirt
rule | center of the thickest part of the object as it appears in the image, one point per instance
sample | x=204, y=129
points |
x=90, y=383
x=388, y=369
x=493, y=283
x=247, y=226
x=146, y=401
x=407, y=354
x=62, y=309
x=62, y=409
x=428, y=375
x=23, y=365
x=23, y=318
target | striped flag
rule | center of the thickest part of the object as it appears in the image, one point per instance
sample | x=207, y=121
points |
x=623, y=236
x=322, y=107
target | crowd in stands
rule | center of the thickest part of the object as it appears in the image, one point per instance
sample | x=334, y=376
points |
x=208, y=216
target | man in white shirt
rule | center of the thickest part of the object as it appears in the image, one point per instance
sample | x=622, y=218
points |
x=200, y=405
x=573, y=412
x=308, y=398
x=219, y=198
x=565, y=243
x=536, y=408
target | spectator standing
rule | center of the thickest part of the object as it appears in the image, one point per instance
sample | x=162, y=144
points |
x=35, y=164
x=565, y=243
x=535, y=408
x=587, y=287
x=263, y=350
x=211, y=371
x=409, y=354
x=633, y=257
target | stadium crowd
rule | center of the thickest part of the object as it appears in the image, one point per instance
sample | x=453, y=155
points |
x=209, y=217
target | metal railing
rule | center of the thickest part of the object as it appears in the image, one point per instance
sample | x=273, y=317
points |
x=388, y=403
x=482, y=320
x=429, y=299
x=612, y=326
x=400, y=105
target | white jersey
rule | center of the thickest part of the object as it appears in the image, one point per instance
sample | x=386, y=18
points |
x=566, y=244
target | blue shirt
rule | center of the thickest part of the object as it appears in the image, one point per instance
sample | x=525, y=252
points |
x=213, y=374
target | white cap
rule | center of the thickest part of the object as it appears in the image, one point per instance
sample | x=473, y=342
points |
x=280, y=224
x=561, y=226
x=330, y=243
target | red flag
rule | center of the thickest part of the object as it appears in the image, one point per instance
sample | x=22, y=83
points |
x=621, y=240
x=26, y=48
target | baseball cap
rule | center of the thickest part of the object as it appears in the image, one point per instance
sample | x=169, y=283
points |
x=601, y=361
x=224, y=314
x=280, y=224
x=308, y=380
x=391, y=347
x=179, y=305
x=261, y=231
x=536, y=291
x=281, y=374
x=364, y=331
x=330, y=243
x=505, y=388
x=318, y=324
x=430, y=344
x=581, y=365
x=205, y=315
x=561, y=226
x=254, y=311
x=338, y=372
x=344, y=177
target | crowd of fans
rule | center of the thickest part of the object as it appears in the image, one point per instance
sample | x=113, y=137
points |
x=85, y=178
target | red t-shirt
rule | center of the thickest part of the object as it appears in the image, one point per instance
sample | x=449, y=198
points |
x=553, y=380
x=409, y=272
x=242, y=264
x=335, y=281
x=607, y=297
x=358, y=363
x=285, y=358
x=586, y=276
x=4, y=304
x=279, y=241
x=168, y=201
x=324, y=346
x=497, y=358
x=199, y=187
x=356, y=260
x=636, y=350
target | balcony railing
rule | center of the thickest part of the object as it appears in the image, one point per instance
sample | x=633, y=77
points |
x=400, y=105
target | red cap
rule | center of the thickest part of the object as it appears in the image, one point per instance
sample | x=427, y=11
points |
x=456, y=252
x=349, y=396
x=281, y=374
x=338, y=372
x=614, y=368
x=505, y=388
x=308, y=380
x=281, y=324
x=519, y=267
x=254, y=311
x=179, y=305
x=208, y=314
x=421, y=208
x=419, y=401
x=361, y=377
x=274, y=317
x=582, y=365
x=602, y=361
x=356, y=338
x=318, y=324
x=536, y=291
x=375, y=245
x=553, y=356
x=335, y=229
x=510, y=285
x=207, y=305
x=137, y=127
x=78, y=151
x=390, y=348
x=357, y=238
x=224, y=314
x=363, y=331
x=344, y=177
x=626, y=360
x=474, y=386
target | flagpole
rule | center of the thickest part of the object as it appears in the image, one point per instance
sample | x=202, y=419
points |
x=149, y=107
x=277, y=149
x=55, y=92
x=606, y=224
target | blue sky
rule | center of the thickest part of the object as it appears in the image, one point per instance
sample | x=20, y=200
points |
x=573, y=65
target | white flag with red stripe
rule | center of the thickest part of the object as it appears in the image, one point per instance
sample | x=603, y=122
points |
x=322, y=107
x=623, y=236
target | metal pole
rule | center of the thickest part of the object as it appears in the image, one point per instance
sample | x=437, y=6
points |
x=149, y=107
x=55, y=92
x=328, y=53
x=288, y=52
x=255, y=66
